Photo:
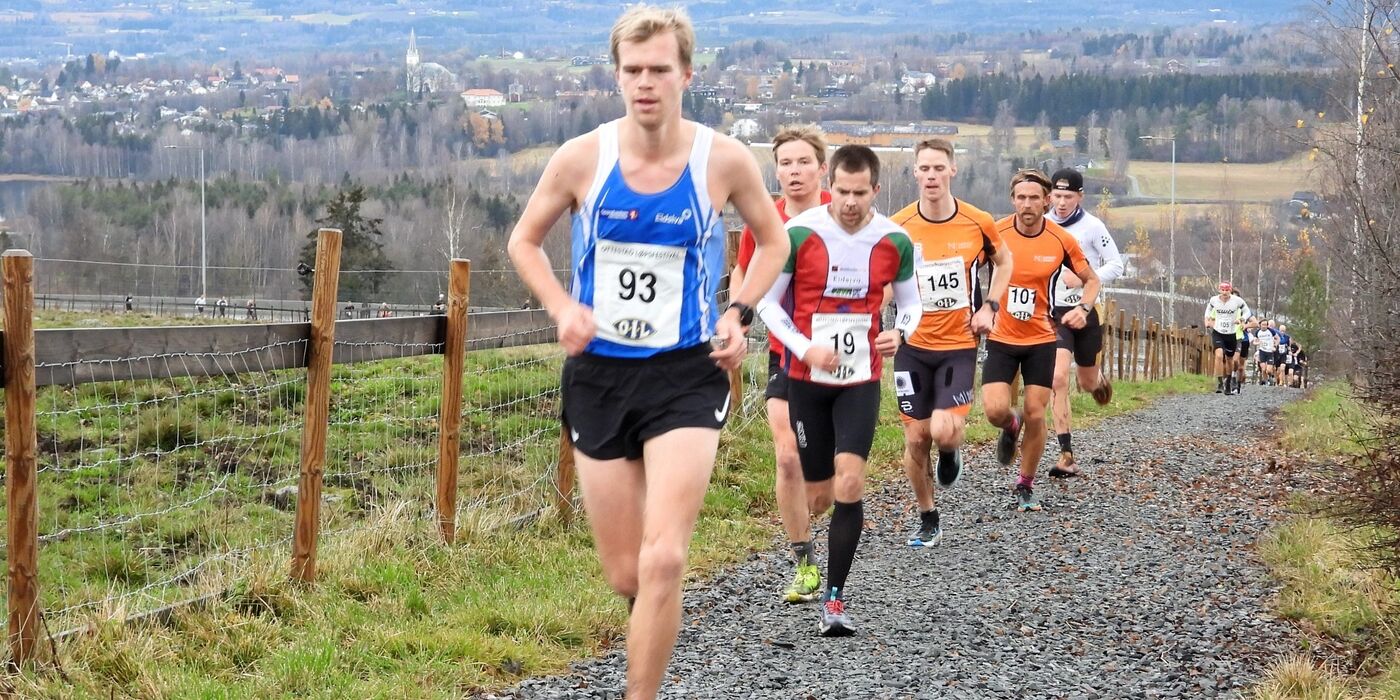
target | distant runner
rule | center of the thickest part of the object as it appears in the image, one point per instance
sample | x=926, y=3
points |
x=1223, y=314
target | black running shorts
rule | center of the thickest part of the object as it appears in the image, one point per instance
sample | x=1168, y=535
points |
x=933, y=380
x=829, y=420
x=1084, y=342
x=613, y=405
x=1224, y=341
x=1036, y=363
x=777, y=378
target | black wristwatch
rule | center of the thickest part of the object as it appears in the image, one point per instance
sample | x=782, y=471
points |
x=745, y=312
x=1087, y=308
x=996, y=306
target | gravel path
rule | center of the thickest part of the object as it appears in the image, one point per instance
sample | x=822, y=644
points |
x=1139, y=580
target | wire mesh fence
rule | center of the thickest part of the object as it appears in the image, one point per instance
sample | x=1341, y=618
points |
x=153, y=491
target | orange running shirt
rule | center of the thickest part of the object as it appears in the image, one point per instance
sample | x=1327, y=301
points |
x=1036, y=261
x=947, y=256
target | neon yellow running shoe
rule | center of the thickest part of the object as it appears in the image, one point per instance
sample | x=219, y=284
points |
x=806, y=585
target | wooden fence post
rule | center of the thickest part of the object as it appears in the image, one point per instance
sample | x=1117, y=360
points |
x=1133, y=353
x=564, y=478
x=454, y=352
x=1106, y=354
x=21, y=456
x=736, y=375
x=1147, y=349
x=1121, y=325
x=319, y=353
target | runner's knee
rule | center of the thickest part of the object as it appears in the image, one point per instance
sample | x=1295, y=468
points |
x=946, y=429
x=789, y=465
x=622, y=579
x=661, y=563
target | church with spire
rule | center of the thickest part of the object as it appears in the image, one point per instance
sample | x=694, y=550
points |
x=423, y=77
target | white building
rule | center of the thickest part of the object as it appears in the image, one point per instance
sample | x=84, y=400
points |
x=476, y=98
x=745, y=129
x=424, y=77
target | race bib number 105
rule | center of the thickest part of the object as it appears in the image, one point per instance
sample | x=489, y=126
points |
x=637, y=293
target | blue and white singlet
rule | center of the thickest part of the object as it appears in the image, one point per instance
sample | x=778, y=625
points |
x=648, y=264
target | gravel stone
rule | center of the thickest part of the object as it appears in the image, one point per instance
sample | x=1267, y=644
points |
x=1138, y=580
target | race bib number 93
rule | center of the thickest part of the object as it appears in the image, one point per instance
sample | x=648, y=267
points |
x=637, y=293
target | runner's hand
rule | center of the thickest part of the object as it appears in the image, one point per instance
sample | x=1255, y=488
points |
x=887, y=343
x=982, y=320
x=1075, y=318
x=729, y=343
x=576, y=328
x=820, y=357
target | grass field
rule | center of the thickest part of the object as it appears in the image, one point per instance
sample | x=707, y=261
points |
x=1158, y=216
x=1228, y=181
x=395, y=613
x=1348, y=610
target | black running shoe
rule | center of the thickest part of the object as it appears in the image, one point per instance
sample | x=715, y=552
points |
x=1220, y=385
x=1025, y=499
x=929, y=533
x=1006, y=444
x=949, y=468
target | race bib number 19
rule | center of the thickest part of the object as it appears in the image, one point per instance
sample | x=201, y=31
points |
x=1020, y=303
x=849, y=336
x=637, y=293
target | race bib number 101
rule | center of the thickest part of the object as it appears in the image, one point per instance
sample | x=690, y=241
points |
x=1020, y=303
x=637, y=293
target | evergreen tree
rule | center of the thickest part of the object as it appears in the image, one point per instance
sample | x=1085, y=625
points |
x=361, y=245
x=1307, y=305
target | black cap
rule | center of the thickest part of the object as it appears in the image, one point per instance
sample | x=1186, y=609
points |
x=1067, y=179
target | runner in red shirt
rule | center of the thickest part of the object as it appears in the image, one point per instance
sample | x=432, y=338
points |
x=800, y=155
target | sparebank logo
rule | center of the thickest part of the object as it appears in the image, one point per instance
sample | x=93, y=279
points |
x=674, y=219
x=634, y=329
x=619, y=214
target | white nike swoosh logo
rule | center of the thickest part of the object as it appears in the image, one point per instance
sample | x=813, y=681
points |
x=573, y=434
x=722, y=411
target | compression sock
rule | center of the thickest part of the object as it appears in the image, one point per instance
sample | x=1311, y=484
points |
x=844, y=535
x=802, y=552
x=1064, y=442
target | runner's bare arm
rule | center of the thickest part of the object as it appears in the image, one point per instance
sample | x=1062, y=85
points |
x=982, y=321
x=1001, y=273
x=557, y=193
x=734, y=170
x=1077, y=317
x=738, y=172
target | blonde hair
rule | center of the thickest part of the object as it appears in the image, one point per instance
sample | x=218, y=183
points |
x=943, y=146
x=642, y=22
x=811, y=133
